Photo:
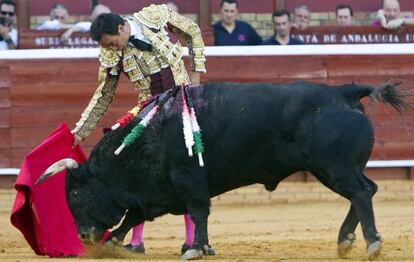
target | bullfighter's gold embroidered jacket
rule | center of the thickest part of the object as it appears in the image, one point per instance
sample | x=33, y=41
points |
x=140, y=65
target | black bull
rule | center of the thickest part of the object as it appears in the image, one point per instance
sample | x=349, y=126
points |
x=252, y=133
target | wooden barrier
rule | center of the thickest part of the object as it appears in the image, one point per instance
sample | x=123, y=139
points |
x=38, y=94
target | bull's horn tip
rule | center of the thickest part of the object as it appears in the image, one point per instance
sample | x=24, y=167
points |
x=42, y=178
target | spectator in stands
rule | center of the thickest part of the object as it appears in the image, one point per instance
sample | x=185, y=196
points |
x=390, y=11
x=58, y=18
x=172, y=6
x=229, y=31
x=344, y=15
x=389, y=16
x=85, y=26
x=282, y=25
x=301, y=17
x=8, y=32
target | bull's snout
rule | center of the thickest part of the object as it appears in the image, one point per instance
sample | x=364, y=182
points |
x=86, y=238
x=83, y=236
x=89, y=236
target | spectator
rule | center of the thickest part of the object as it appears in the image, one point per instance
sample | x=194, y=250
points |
x=344, y=15
x=85, y=26
x=389, y=16
x=282, y=25
x=8, y=33
x=229, y=31
x=172, y=6
x=391, y=9
x=58, y=18
x=301, y=17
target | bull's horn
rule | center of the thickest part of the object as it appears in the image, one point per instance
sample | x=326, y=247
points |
x=66, y=163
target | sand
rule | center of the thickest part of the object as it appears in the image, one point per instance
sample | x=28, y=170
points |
x=254, y=232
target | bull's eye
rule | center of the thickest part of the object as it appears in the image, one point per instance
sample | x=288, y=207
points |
x=74, y=193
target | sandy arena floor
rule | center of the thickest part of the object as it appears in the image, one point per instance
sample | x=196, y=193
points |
x=270, y=232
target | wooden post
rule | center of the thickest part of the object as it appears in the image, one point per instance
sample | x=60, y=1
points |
x=94, y=3
x=23, y=15
x=204, y=21
x=204, y=16
x=5, y=112
x=279, y=4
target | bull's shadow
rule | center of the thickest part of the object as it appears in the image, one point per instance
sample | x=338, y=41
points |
x=252, y=133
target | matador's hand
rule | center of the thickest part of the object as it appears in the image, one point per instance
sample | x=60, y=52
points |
x=77, y=139
x=195, y=77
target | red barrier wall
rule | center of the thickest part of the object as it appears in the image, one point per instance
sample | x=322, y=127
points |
x=43, y=92
x=36, y=95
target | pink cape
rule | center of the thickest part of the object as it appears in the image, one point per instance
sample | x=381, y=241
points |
x=40, y=212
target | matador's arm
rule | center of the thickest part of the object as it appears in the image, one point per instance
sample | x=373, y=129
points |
x=191, y=32
x=98, y=105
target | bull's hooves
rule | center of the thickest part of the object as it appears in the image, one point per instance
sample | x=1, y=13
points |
x=208, y=251
x=140, y=249
x=109, y=245
x=344, y=248
x=192, y=254
x=374, y=250
x=184, y=248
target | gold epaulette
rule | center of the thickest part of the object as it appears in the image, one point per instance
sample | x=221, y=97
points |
x=153, y=16
x=108, y=57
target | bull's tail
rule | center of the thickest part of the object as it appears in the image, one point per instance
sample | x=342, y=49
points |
x=387, y=93
x=390, y=93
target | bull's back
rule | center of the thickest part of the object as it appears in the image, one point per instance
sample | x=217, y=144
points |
x=283, y=106
x=257, y=133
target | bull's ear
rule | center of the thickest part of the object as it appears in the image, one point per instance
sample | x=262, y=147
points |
x=60, y=165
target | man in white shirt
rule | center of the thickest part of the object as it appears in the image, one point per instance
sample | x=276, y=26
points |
x=8, y=34
x=85, y=26
x=58, y=17
x=389, y=17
